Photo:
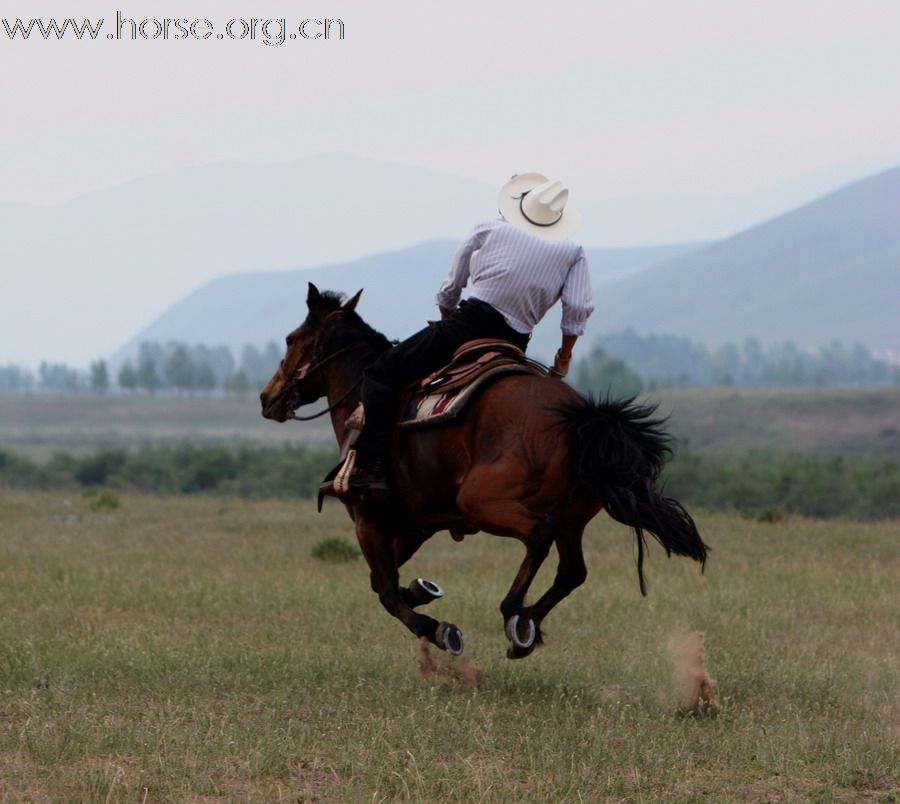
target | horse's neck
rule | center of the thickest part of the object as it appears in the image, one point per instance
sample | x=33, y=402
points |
x=337, y=384
x=339, y=418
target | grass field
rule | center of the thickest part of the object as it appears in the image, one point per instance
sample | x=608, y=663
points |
x=191, y=649
x=731, y=420
x=38, y=425
x=710, y=420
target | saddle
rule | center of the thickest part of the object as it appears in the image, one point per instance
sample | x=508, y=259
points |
x=439, y=397
x=443, y=395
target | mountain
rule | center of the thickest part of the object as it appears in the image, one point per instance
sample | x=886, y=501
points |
x=99, y=266
x=399, y=296
x=102, y=264
x=827, y=270
x=77, y=278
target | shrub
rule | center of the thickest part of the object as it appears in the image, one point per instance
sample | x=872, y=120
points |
x=17, y=472
x=102, y=500
x=856, y=487
x=766, y=485
x=771, y=515
x=96, y=469
x=335, y=550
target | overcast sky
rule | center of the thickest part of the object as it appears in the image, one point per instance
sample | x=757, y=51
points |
x=624, y=99
x=691, y=101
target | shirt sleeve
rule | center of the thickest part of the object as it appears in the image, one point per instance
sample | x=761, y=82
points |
x=577, y=298
x=452, y=287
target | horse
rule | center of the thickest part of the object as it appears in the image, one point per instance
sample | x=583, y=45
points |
x=530, y=459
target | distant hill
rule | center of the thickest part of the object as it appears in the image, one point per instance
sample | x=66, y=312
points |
x=99, y=266
x=105, y=263
x=828, y=270
x=399, y=296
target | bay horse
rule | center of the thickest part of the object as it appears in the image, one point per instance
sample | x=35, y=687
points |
x=531, y=459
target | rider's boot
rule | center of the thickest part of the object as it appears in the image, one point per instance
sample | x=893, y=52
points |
x=370, y=477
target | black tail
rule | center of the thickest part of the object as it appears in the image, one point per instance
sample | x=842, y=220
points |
x=619, y=451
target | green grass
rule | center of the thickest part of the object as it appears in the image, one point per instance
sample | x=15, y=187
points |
x=193, y=649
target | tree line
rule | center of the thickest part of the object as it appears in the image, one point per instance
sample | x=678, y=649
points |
x=174, y=366
x=623, y=363
x=628, y=363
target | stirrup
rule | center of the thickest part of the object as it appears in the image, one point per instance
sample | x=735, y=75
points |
x=328, y=487
x=341, y=482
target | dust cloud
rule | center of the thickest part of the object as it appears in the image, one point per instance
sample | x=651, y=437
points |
x=692, y=687
x=443, y=669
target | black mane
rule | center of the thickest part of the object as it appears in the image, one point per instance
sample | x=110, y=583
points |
x=350, y=325
x=332, y=300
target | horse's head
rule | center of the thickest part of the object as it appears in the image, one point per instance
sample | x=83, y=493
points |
x=298, y=381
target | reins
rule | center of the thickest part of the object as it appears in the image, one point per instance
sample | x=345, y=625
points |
x=306, y=372
x=294, y=417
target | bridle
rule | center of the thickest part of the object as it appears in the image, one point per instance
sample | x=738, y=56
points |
x=307, y=369
x=304, y=371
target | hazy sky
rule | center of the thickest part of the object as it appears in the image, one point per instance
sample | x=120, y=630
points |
x=625, y=99
x=685, y=101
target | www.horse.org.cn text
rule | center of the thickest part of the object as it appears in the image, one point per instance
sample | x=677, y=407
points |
x=272, y=32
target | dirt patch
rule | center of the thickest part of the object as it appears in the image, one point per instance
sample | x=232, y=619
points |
x=692, y=688
x=441, y=668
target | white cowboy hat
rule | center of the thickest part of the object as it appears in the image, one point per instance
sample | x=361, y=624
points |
x=538, y=205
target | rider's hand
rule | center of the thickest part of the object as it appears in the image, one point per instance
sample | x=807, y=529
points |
x=561, y=364
x=446, y=312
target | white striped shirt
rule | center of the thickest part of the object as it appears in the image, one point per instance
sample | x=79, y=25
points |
x=521, y=276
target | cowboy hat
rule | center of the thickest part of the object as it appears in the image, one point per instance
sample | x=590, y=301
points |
x=538, y=205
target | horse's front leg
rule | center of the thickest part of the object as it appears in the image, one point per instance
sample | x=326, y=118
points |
x=420, y=591
x=378, y=548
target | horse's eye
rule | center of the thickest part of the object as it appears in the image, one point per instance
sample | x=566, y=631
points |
x=289, y=340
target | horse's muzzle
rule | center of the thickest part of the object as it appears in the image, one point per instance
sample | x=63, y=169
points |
x=273, y=407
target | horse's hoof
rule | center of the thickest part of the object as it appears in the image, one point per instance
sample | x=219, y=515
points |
x=522, y=633
x=450, y=638
x=425, y=591
x=513, y=652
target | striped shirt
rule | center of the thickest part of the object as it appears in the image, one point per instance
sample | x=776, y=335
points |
x=521, y=276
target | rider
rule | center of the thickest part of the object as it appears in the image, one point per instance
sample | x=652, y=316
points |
x=519, y=266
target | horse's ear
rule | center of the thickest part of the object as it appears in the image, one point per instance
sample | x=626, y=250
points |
x=313, y=297
x=350, y=306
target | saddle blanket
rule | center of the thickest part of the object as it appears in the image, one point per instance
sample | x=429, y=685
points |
x=445, y=394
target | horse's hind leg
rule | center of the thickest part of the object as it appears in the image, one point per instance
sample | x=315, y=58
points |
x=524, y=633
x=570, y=574
x=506, y=516
x=378, y=550
x=523, y=626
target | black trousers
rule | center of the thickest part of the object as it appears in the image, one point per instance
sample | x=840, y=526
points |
x=417, y=356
